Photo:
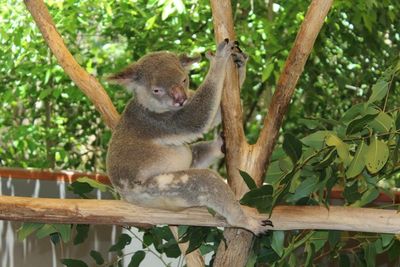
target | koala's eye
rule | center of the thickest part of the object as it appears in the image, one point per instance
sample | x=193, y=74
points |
x=157, y=91
x=184, y=80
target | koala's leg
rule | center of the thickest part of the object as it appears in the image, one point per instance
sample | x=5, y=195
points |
x=195, y=187
x=206, y=153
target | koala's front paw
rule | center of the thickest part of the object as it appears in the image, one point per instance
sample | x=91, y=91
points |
x=239, y=58
x=225, y=48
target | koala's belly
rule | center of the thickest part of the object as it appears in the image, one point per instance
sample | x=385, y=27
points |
x=176, y=158
x=159, y=159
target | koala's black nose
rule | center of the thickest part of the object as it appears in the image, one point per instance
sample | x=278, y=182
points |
x=178, y=95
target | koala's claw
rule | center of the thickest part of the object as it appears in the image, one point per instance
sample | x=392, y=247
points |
x=267, y=222
x=223, y=146
x=225, y=49
x=239, y=58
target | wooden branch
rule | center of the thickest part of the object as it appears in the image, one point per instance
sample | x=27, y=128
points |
x=294, y=66
x=236, y=249
x=52, y=210
x=86, y=82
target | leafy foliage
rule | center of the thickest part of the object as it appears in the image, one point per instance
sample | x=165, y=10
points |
x=342, y=129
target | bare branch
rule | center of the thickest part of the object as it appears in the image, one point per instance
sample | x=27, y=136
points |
x=49, y=210
x=294, y=66
x=86, y=82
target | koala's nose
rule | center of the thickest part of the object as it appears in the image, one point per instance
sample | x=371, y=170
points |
x=178, y=96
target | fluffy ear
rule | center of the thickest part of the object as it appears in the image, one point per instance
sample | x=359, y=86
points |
x=187, y=61
x=127, y=76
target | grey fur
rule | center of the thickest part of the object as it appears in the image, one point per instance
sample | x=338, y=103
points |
x=149, y=159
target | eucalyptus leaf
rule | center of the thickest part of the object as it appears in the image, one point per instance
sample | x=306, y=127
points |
x=28, y=228
x=341, y=147
x=137, y=258
x=73, y=263
x=248, y=180
x=292, y=147
x=93, y=183
x=379, y=90
x=260, y=198
x=98, y=258
x=278, y=238
x=376, y=155
x=358, y=162
x=123, y=240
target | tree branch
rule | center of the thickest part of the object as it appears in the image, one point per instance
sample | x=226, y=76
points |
x=86, y=82
x=53, y=210
x=294, y=66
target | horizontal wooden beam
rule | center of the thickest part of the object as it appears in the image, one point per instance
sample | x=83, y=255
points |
x=49, y=210
x=71, y=176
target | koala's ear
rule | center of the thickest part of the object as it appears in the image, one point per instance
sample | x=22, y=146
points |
x=127, y=76
x=187, y=61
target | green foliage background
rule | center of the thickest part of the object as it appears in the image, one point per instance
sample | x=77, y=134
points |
x=346, y=105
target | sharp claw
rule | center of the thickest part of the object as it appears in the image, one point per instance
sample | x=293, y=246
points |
x=236, y=43
x=267, y=222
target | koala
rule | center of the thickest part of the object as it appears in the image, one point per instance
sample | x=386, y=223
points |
x=152, y=160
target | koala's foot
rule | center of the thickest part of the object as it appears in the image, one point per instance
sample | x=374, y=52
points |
x=257, y=223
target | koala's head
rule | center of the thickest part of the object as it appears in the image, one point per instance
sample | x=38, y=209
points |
x=159, y=80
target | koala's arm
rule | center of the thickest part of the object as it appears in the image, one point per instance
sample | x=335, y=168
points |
x=206, y=153
x=198, y=114
x=240, y=60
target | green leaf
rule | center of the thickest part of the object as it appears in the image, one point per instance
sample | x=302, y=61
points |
x=93, y=183
x=64, y=230
x=370, y=254
x=267, y=71
x=137, y=258
x=73, y=263
x=196, y=236
x=328, y=160
x=123, y=241
x=358, y=125
x=80, y=188
x=46, y=230
x=382, y=123
x=319, y=238
x=278, y=238
x=260, y=198
x=358, y=162
x=368, y=196
x=376, y=155
x=248, y=180
x=97, y=257
x=351, y=193
x=379, y=90
x=28, y=228
x=341, y=148
x=82, y=233
x=387, y=239
x=353, y=112
x=333, y=238
x=310, y=248
x=292, y=147
x=316, y=140
x=304, y=189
